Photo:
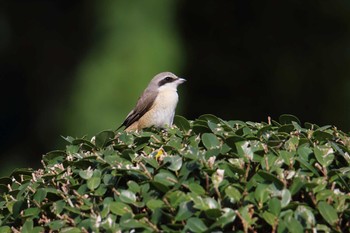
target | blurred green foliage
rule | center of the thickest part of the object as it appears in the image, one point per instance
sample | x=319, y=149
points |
x=133, y=41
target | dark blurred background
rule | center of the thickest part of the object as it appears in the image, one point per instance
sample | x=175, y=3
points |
x=77, y=67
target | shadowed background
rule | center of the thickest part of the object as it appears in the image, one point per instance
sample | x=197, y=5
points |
x=77, y=67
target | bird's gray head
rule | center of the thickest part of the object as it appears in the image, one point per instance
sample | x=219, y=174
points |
x=165, y=80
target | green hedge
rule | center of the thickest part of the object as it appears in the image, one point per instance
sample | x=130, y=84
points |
x=206, y=175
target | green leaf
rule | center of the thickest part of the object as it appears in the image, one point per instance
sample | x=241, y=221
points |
x=53, y=157
x=103, y=137
x=58, y=206
x=245, y=150
x=27, y=226
x=175, y=162
x=196, y=188
x=3, y=189
x=293, y=225
x=93, y=182
x=5, y=229
x=182, y=123
x=126, y=138
x=128, y=222
x=328, y=212
x=227, y=217
x=275, y=206
x=40, y=195
x=176, y=197
x=288, y=119
x=199, y=129
x=308, y=166
x=261, y=194
x=205, y=203
x=83, y=142
x=270, y=177
x=246, y=216
x=155, y=204
x=209, y=117
x=127, y=196
x=212, y=213
x=296, y=185
x=185, y=211
x=233, y=194
x=31, y=212
x=71, y=149
x=305, y=216
x=133, y=186
x=18, y=206
x=175, y=142
x=322, y=136
x=323, y=228
x=292, y=144
x=70, y=230
x=56, y=224
x=231, y=141
x=196, y=225
x=5, y=180
x=210, y=141
x=286, y=198
x=269, y=218
x=152, y=161
x=119, y=208
x=324, y=155
x=286, y=128
x=166, y=178
x=287, y=156
x=86, y=174
x=160, y=186
x=216, y=128
x=101, y=190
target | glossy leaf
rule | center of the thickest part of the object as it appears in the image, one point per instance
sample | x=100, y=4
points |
x=175, y=162
x=288, y=119
x=196, y=188
x=127, y=196
x=210, y=141
x=119, y=208
x=154, y=204
x=40, y=195
x=196, y=225
x=182, y=123
x=275, y=206
x=324, y=155
x=185, y=211
x=103, y=137
x=328, y=212
x=86, y=174
x=93, y=183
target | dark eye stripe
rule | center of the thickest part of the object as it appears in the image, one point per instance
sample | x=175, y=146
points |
x=166, y=80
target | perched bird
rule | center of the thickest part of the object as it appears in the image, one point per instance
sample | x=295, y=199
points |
x=156, y=106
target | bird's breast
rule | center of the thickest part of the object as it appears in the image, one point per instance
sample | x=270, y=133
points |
x=163, y=109
x=166, y=100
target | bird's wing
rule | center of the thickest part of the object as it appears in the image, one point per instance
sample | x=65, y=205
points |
x=144, y=103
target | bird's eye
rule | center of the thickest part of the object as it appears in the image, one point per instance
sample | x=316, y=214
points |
x=166, y=80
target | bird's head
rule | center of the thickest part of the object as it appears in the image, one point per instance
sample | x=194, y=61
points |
x=166, y=81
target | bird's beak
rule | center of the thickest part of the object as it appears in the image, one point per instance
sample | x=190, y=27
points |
x=181, y=80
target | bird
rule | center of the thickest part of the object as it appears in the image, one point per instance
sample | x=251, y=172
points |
x=156, y=105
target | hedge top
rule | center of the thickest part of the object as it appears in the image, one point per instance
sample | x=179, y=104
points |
x=206, y=175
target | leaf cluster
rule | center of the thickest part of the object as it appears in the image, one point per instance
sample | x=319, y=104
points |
x=206, y=175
